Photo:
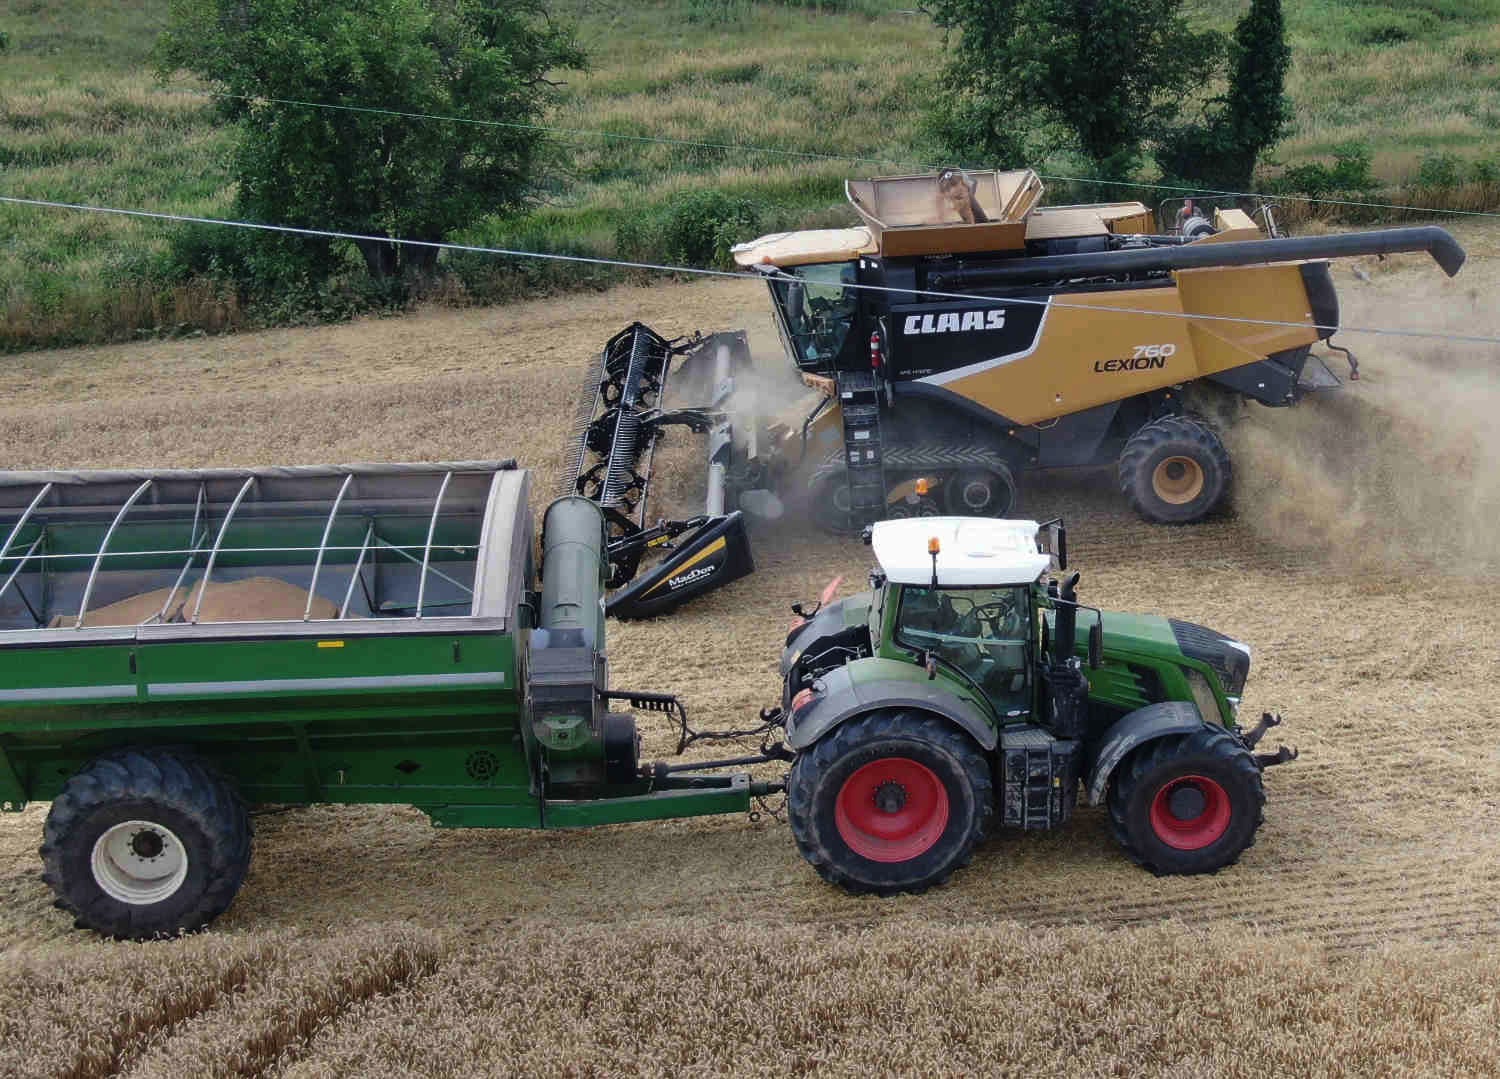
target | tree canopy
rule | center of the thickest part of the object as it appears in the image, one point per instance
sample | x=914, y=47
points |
x=1026, y=77
x=361, y=168
x=1220, y=149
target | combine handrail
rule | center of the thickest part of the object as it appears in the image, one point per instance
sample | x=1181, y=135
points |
x=312, y=588
x=437, y=507
x=88, y=588
x=219, y=542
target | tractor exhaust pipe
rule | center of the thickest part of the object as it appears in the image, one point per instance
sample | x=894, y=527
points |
x=1437, y=242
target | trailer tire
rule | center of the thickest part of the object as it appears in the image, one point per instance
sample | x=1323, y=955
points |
x=1218, y=780
x=143, y=844
x=1175, y=470
x=891, y=802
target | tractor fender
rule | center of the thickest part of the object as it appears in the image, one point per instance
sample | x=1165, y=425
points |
x=1135, y=729
x=842, y=699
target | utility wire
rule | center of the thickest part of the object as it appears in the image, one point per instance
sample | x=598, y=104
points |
x=575, y=132
x=440, y=245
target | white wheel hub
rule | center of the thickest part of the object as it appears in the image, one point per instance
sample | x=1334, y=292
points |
x=139, y=862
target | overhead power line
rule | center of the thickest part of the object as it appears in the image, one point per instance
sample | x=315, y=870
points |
x=811, y=155
x=441, y=245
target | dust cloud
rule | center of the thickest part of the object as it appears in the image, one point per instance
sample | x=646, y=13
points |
x=1403, y=464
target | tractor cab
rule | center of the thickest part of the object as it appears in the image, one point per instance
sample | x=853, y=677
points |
x=962, y=596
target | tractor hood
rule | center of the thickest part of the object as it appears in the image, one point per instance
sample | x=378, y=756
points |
x=832, y=619
x=1170, y=639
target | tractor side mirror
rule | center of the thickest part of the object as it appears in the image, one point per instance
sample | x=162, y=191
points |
x=1096, y=645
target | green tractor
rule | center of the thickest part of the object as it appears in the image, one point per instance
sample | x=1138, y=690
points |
x=962, y=691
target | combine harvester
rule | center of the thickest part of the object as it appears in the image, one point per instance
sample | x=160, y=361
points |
x=950, y=350
x=177, y=645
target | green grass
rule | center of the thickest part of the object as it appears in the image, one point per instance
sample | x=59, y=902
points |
x=82, y=119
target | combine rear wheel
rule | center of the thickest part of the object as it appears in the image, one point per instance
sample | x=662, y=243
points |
x=147, y=843
x=891, y=802
x=1188, y=804
x=1174, y=470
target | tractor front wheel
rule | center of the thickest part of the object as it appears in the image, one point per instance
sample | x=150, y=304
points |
x=891, y=802
x=1174, y=470
x=1187, y=804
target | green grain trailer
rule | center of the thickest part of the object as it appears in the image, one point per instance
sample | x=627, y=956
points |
x=177, y=644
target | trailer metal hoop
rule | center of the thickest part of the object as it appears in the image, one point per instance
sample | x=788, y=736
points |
x=219, y=542
x=359, y=565
x=437, y=507
x=398, y=549
x=312, y=588
x=21, y=565
x=16, y=531
x=200, y=510
x=88, y=589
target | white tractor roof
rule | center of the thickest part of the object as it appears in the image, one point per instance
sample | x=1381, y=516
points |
x=973, y=551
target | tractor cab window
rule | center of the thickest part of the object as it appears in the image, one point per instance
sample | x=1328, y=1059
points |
x=982, y=631
x=816, y=311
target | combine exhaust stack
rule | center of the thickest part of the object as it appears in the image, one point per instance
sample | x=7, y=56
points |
x=620, y=419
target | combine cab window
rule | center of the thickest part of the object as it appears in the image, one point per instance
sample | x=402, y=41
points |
x=984, y=632
x=816, y=312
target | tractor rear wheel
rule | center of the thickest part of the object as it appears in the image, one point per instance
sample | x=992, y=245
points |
x=1175, y=470
x=1187, y=804
x=146, y=843
x=891, y=802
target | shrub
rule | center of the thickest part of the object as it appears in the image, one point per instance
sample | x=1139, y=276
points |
x=695, y=229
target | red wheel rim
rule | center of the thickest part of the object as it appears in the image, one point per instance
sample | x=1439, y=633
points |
x=1190, y=812
x=892, y=810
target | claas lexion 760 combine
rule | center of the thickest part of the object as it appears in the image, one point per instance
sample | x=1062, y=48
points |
x=945, y=355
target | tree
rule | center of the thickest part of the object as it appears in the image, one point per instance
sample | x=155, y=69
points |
x=1220, y=150
x=1025, y=77
x=361, y=168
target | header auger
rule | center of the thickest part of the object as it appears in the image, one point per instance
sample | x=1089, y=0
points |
x=948, y=351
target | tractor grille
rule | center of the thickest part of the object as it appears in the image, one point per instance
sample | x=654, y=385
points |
x=1211, y=647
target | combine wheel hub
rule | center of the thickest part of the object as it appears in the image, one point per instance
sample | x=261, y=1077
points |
x=1178, y=480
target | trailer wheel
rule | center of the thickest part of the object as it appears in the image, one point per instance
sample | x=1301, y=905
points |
x=892, y=802
x=146, y=843
x=1174, y=470
x=1188, y=804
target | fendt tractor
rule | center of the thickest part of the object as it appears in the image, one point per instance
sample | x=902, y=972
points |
x=947, y=352
x=177, y=645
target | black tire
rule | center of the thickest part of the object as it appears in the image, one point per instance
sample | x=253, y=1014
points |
x=194, y=834
x=1212, y=769
x=980, y=492
x=1175, y=470
x=857, y=756
x=830, y=502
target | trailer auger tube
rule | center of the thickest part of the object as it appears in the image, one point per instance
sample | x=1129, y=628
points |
x=1437, y=242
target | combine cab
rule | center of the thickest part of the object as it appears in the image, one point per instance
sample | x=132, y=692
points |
x=964, y=333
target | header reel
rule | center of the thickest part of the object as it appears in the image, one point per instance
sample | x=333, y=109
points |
x=619, y=420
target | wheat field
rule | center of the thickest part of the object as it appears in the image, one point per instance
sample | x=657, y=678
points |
x=1358, y=936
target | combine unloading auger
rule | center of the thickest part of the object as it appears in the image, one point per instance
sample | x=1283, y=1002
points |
x=620, y=419
x=949, y=355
